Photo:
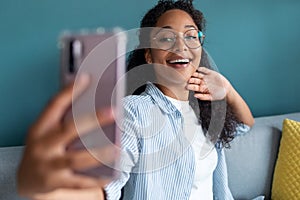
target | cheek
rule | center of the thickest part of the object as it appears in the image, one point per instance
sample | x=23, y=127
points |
x=158, y=56
x=197, y=57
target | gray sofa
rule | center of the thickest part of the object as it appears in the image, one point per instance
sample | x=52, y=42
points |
x=251, y=160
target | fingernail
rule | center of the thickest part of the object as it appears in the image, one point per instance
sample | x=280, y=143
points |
x=107, y=113
x=84, y=78
x=81, y=83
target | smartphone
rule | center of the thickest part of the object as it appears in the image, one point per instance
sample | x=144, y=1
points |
x=102, y=56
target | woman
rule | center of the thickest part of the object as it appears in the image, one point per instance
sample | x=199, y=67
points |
x=168, y=140
x=168, y=151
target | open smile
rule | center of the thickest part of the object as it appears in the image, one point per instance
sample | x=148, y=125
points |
x=179, y=62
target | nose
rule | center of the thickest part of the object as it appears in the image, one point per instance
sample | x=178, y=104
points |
x=179, y=45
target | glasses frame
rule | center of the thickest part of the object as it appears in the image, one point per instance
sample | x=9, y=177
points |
x=200, y=35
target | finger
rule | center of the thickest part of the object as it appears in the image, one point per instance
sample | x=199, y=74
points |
x=72, y=130
x=202, y=88
x=95, y=193
x=55, y=111
x=84, y=159
x=87, y=123
x=203, y=97
x=194, y=81
x=193, y=87
x=204, y=70
x=198, y=75
x=76, y=180
x=69, y=179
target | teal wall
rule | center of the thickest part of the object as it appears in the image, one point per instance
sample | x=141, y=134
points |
x=255, y=44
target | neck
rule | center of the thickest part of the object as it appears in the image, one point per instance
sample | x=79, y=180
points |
x=178, y=92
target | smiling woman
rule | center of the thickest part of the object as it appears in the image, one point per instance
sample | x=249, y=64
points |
x=179, y=109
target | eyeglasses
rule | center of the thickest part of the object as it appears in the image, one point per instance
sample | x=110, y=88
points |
x=166, y=39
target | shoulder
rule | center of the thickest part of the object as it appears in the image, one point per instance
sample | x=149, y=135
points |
x=137, y=105
x=136, y=99
x=134, y=102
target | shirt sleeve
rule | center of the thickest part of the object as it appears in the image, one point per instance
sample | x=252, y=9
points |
x=242, y=129
x=129, y=154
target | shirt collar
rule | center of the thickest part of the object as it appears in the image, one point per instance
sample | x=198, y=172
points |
x=159, y=98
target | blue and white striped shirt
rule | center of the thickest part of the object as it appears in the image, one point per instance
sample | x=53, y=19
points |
x=157, y=160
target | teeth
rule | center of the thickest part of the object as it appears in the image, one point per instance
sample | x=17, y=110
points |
x=184, y=60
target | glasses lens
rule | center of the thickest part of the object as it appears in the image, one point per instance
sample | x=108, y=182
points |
x=191, y=39
x=165, y=39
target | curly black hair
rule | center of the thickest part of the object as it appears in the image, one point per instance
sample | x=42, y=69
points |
x=211, y=115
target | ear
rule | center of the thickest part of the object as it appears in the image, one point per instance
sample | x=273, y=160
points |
x=148, y=56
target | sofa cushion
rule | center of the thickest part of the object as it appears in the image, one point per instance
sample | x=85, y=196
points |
x=286, y=183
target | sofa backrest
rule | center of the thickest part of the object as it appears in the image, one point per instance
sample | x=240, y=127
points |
x=251, y=160
x=252, y=157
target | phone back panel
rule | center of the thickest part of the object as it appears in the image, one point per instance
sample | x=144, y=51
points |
x=102, y=57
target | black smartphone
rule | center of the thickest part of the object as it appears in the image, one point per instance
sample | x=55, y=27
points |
x=102, y=57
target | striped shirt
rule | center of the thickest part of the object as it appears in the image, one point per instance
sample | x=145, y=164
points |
x=157, y=160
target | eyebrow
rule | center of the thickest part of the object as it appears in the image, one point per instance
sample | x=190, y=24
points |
x=170, y=27
x=190, y=26
x=186, y=26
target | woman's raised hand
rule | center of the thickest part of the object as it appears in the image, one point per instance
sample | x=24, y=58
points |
x=209, y=85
